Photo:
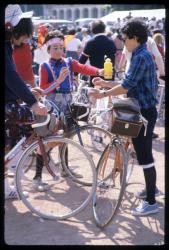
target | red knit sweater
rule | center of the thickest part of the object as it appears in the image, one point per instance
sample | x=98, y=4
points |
x=23, y=60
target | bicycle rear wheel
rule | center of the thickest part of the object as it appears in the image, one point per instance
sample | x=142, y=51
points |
x=130, y=164
x=64, y=198
x=109, y=192
x=94, y=139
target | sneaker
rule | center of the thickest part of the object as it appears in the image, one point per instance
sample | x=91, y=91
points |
x=98, y=139
x=143, y=193
x=154, y=135
x=11, y=171
x=40, y=186
x=144, y=209
x=12, y=194
x=65, y=174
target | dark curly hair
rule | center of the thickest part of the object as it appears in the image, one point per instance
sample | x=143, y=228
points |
x=136, y=28
x=98, y=26
x=53, y=34
x=24, y=27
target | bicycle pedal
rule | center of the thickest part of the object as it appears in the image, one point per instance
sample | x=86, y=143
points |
x=98, y=139
x=117, y=170
x=103, y=185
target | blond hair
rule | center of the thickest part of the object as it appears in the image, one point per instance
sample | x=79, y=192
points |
x=158, y=38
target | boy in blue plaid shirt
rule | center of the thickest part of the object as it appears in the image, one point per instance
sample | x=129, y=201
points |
x=140, y=82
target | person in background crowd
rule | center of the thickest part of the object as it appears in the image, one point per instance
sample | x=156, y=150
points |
x=118, y=24
x=119, y=46
x=40, y=53
x=140, y=83
x=73, y=45
x=18, y=29
x=158, y=38
x=97, y=47
x=79, y=34
x=86, y=37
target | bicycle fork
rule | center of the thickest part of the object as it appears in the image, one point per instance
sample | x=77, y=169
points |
x=45, y=157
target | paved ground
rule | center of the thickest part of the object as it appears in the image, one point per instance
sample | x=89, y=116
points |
x=23, y=228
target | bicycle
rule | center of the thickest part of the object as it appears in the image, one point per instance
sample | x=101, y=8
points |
x=93, y=138
x=161, y=103
x=114, y=170
x=56, y=202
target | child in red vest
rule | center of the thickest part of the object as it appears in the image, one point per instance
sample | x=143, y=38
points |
x=59, y=69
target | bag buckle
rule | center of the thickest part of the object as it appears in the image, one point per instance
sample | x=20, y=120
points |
x=145, y=123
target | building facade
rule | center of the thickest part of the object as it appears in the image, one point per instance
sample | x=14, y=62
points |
x=67, y=11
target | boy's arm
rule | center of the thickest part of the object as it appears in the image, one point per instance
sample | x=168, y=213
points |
x=85, y=69
x=43, y=80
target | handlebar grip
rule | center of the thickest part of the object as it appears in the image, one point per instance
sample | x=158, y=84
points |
x=40, y=124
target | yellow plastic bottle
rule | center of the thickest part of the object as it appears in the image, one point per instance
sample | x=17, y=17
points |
x=108, y=69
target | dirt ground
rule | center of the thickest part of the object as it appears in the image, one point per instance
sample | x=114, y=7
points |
x=24, y=228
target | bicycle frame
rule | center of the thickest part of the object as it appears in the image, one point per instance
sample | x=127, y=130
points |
x=25, y=142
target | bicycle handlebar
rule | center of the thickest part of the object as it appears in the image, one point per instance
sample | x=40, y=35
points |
x=40, y=124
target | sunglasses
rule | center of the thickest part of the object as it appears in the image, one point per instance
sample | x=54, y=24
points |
x=125, y=38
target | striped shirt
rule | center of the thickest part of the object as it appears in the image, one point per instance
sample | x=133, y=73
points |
x=141, y=79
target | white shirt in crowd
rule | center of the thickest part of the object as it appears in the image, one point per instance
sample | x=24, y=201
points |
x=74, y=45
x=41, y=54
x=85, y=39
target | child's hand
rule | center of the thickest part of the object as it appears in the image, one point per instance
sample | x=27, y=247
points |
x=101, y=72
x=37, y=91
x=63, y=74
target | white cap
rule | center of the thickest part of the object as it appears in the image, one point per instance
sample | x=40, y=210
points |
x=84, y=29
x=13, y=14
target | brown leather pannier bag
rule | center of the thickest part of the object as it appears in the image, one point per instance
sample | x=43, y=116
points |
x=126, y=119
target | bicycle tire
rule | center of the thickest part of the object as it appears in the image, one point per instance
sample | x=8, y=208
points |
x=88, y=134
x=108, y=196
x=130, y=165
x=64, y=198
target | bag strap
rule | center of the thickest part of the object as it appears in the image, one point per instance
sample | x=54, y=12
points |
x=126, y=103
x=68, y=62
x=50, y=71
x=145, y=123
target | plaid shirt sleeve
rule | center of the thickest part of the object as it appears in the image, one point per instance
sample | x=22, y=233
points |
x=135, y=73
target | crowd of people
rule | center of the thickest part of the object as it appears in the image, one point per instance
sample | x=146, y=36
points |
x=136, y=47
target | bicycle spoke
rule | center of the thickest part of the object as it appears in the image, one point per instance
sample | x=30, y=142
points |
x=109, y=192
x=59, y=197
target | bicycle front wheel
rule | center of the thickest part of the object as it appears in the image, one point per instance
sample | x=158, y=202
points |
x=109, y=192
x=63, y=198
x=94, y=139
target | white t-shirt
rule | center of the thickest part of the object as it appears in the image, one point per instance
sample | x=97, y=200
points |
x=85, y=39
x=128, y=58
x=41, y=54
x=74, y=45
